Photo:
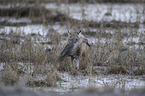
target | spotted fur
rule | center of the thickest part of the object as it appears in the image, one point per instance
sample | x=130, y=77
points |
x=75, y=47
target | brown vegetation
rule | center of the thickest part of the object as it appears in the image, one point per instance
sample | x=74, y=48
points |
x=9, y=76
x=38, y=59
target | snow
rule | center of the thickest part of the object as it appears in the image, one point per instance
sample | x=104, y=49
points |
x=72, y=83
x=15, y=20
x=96, y=12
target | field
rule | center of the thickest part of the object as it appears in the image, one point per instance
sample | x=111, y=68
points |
x=33, y=33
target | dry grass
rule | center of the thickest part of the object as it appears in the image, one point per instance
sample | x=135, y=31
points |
x=118, y=60
x=38, y=59
x=50, y=80
x=9, y=76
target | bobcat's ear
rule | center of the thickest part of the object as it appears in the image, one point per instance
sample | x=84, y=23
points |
x=79, y=32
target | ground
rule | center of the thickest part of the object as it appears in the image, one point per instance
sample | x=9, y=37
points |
x=33, y=34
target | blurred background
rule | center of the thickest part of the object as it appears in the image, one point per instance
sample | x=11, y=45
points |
x=34, y=32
